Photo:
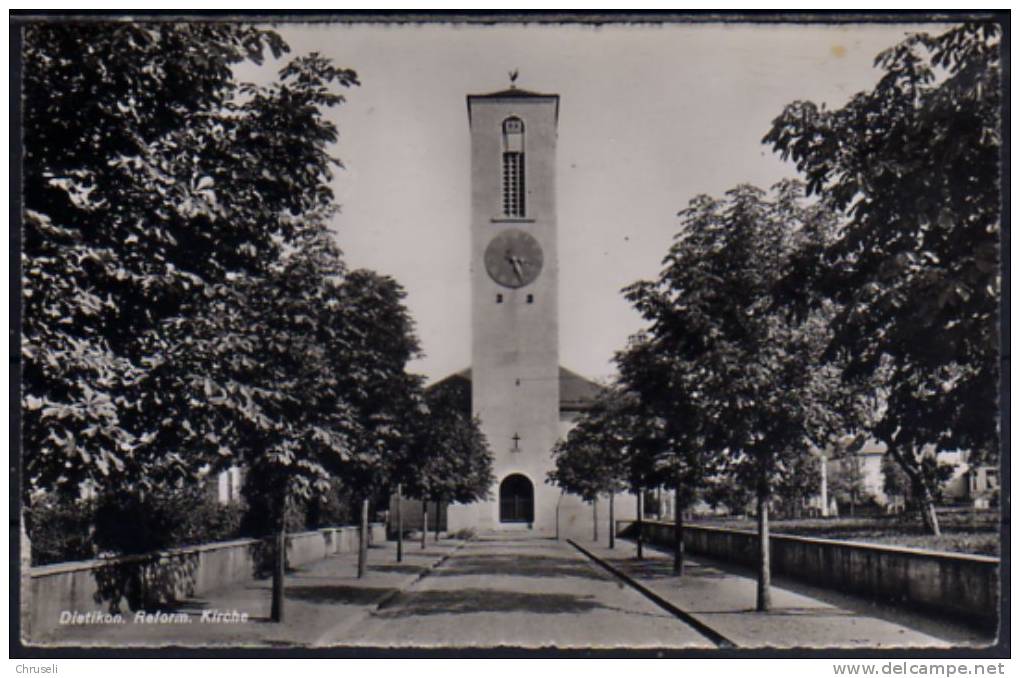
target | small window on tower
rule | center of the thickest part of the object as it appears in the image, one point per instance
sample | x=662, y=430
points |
x=499, y=298
x=531, y=298
x=513, y=167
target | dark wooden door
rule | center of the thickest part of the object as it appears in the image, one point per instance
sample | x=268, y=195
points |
x=516, y=500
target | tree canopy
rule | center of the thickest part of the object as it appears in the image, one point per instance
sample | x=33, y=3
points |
x=914, y=167
x=738, y=376
x=155, y=188
x=449, y=459
x=598, y=455
x=741, y=374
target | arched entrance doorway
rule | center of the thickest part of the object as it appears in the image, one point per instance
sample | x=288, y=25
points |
x=516, y=500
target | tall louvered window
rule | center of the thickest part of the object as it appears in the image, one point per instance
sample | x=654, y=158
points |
x=513, y=168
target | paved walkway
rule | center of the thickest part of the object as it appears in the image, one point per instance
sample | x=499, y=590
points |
x=524, y=592
x=319, y=596
x=723, y=598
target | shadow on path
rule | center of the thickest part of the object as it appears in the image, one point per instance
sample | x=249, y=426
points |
x=398, y=568
x=518, y=566
x=331, y=595
x=663, y=569
x=473, y=600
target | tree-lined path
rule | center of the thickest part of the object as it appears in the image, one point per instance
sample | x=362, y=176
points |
x=198, y=361
x=522, y=591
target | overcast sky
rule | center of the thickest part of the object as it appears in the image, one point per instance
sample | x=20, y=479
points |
x=650, y=116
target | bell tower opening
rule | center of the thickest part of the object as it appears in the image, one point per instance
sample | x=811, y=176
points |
x=513, y=167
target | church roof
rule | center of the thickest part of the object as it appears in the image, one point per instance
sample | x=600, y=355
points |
x=576, y=392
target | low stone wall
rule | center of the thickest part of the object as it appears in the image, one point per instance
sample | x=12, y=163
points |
x=955, y=585
x=133, y=582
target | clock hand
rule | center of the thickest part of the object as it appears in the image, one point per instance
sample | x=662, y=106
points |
x=515, y=263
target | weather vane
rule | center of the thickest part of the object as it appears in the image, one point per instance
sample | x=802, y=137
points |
x=513, y=78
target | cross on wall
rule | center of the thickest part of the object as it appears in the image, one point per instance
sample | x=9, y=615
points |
x=516, y=438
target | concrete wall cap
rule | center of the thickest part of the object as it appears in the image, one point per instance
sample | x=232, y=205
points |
x=61, y=568
x=96, y=563
x=905, y=550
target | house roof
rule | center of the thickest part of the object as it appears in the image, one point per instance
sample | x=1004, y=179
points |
x=576, y=392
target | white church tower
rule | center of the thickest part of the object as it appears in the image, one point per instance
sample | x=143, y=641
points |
x=515, y=377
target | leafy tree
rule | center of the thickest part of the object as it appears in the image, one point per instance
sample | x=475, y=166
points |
x=450, y=459
x=173, y=324
x=151, y=179
x=594, y=458
x=914, y=166
x=261, y=364
x=677, y=455
x=798, y=484
x=379, y=341
x=896, y=482
x=617, y=445
x=722, y=489
x=848, y=485
x=749, y=373
x=330, y=507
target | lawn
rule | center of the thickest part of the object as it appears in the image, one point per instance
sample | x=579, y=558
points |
x=963, y=530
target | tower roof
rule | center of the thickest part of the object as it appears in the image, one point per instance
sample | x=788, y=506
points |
x=513, y=94
x=576, y=392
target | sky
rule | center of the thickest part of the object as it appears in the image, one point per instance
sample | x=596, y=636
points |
x=650, y=116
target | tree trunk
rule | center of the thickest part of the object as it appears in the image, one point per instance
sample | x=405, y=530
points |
x=678, y=533
x=825, y=486
x=424, y=520
x=764, y=601
x=925, y=501
x=400, y=523
x=363, y=540
x=927, y=507
x=25, y=614
x=612, y=523
x=558, y=515
x=279, y=560
x=640, y=527
x=437, y=520
x=595, y=520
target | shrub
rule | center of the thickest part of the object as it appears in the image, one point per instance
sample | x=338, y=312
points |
x=60, y=529
x=63, y=529
x=330, y=508
x=168, y=518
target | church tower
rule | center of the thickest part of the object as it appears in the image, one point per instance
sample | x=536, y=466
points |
x=515, y=379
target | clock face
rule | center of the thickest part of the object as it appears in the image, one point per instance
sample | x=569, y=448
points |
x=513, y=258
